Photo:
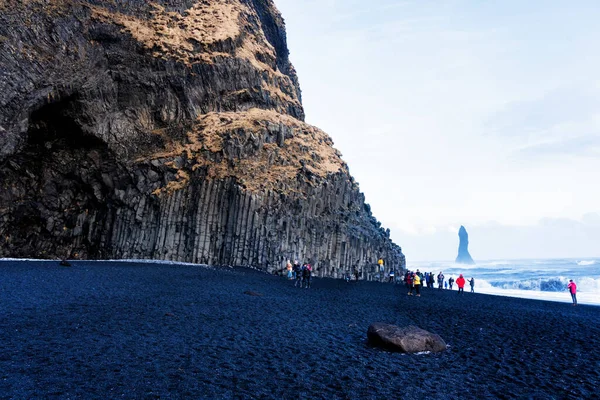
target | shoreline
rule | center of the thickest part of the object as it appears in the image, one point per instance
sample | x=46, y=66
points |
x=583, y=298
x=543, y=279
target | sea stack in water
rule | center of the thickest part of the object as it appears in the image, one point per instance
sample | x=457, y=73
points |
x=463, y=248
x=171, y=130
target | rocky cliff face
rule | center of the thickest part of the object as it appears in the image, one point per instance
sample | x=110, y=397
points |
x=171, y=130
x=463, y=256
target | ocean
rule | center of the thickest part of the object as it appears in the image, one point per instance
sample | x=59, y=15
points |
x=542, y=279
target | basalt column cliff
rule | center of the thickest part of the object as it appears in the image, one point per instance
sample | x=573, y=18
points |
x=170, y=129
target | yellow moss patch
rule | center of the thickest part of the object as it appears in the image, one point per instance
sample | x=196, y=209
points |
x=172, y=35
x=181, y=181
x=269, y=167
x=277, y=92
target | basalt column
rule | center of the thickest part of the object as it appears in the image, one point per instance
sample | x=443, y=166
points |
x=169, y=130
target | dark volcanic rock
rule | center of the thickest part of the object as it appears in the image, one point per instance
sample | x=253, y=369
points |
x=406, y=340
x=463, y=247
x=169, y=130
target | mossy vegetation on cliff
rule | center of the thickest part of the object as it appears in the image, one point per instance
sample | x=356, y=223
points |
x=170, y=130
x=262, y=149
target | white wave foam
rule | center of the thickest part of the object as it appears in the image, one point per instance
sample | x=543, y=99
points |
x=453, y=266
x=504, y=271
x=553, y=284
x=585, y=293
x=559, y=284
x=588, y=285
x=584, y=262
x=502, y=262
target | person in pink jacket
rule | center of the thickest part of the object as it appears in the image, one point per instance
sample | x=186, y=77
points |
x=573, y=289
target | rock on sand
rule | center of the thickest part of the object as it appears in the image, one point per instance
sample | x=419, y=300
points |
x=406, y=340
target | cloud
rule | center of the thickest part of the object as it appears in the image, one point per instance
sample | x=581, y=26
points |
x=563, y=122
x=561, y=106
x=587, y=146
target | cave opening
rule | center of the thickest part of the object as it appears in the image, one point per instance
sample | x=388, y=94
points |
x=56, y=124
x=55, y=193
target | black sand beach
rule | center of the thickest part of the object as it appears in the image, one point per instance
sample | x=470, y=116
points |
x=132, y=330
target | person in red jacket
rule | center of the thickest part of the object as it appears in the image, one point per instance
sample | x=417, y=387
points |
x=573, y=289
x=461, y=284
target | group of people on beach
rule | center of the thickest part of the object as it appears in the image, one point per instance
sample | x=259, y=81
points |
x=301, y=274
x=414, y=281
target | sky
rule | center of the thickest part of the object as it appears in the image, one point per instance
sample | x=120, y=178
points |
x=461, y=112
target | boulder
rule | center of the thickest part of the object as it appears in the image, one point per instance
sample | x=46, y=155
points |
x=409, y=339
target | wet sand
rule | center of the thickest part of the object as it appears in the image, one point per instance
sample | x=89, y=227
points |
x=131, y=330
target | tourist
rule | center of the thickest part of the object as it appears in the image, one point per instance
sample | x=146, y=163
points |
x=289, y=268
x=472, y=283
x=450, y=282
x=409, y=282
x=446, y=285
x=573, y=290
x=295, y=268
x=421, y=278
x=417, y=282
x=440, y=279
x=391, y=280
x=381, y=270
x=306, y=275
x=298, y=271
x=460, y=282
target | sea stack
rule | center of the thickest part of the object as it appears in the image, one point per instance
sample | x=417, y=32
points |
x=170, y=130
x=463, y=247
